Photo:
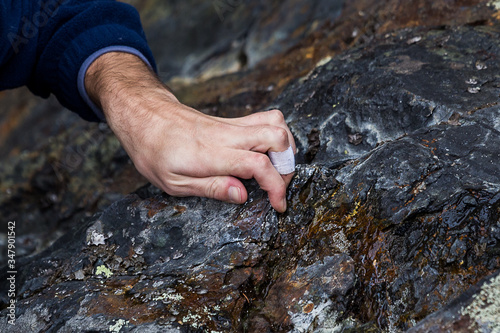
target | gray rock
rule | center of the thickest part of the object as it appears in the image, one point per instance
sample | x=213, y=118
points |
x=393, y=212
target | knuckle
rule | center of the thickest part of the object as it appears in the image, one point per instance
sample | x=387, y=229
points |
x=260, y=160
x=176, y=186
x=274, y=134
x=212, y=188
x=281, y=135
x=277, y=117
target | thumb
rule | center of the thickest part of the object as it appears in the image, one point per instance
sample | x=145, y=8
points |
x=223, y=188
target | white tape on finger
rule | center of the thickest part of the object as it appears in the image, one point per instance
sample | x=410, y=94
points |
x=283, y=161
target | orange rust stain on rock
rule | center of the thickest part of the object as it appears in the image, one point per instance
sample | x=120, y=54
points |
x=125, y=284
x=179, y=210
x=308, y=308
x=239, y=277
x=221, y=295
x=112, y=301
x=119, y=306
x=154, y=207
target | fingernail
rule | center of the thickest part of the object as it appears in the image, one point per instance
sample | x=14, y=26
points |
x=283, y=204
x=234, y=194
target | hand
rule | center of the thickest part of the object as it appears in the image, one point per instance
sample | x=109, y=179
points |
x=180, y=150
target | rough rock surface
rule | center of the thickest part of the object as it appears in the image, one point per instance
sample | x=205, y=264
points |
x=394, y=211
x=474, y=311
x=57, y=168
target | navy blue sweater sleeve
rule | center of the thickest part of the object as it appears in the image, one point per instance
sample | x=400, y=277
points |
x=46, y=43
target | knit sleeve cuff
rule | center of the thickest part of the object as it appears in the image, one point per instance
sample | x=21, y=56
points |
x=83, y=33
x=86, y=64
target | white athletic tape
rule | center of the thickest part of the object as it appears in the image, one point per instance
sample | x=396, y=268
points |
x=283, y=161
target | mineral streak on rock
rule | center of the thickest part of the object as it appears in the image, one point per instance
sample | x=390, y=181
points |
x=381, y=234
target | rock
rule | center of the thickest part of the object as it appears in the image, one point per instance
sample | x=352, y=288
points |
x=68, y=169
x=235, y=34
x=475, y=310
x=393, y=211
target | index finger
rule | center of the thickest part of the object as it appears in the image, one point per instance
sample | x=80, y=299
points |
x=249, y=164
x=271, y=118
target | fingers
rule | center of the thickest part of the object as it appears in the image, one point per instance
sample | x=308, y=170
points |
x=249, y=165
x=228, y=189
x=247, y=159
x=266, y=138
x=223, y=188
x=219, y=182
x=272, y=117
x=266, y=119
x=207, y=156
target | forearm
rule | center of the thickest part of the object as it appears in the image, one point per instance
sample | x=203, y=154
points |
x=116, y=82
x=131, y=98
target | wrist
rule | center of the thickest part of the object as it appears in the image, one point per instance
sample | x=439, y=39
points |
x=118, y=81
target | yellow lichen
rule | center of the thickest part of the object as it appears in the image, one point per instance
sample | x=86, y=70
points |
x=104, y=271
x=354, y=211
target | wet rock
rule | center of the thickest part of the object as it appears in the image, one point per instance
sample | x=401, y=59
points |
x=392, y=213
x=475, y=310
